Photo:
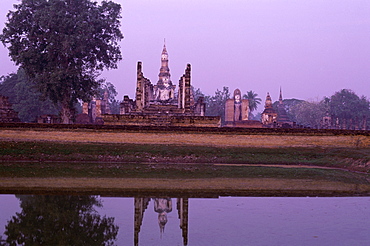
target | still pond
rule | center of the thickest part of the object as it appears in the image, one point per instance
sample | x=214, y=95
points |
x=98, y=220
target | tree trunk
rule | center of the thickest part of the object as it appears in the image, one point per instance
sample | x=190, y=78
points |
x=67, y=112
x=364, y=123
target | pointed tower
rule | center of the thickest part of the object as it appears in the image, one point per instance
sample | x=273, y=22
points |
x=282, y=117
x=268, y=102
x=164, y=91
x=280, y=97
x=164, y=72
x=269, y=115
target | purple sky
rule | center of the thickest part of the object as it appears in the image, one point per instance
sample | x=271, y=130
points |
x=310, y=48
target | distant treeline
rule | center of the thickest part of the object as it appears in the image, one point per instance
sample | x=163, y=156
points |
x=343, y=110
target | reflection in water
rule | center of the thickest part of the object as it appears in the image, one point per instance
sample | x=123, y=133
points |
x=162, y=206
x=78, y=220
x=60, y=220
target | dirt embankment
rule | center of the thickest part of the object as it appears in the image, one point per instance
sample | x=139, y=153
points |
x=186, y=138
x=184, y=187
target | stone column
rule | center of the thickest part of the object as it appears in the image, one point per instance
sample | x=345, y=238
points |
x=245, y=109
x=85, y=108
x=99, y=108
x=139, y=88
x=229, y=110
x=181, y=95
x=187, y=89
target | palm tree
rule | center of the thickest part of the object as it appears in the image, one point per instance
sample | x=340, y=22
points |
x=254, y=100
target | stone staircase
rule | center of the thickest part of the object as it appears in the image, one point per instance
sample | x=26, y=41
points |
x=160, y=120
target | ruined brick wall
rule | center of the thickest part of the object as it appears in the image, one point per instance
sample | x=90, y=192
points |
x=229, y=110
x=200, y=107
x=7, y=114
x=196, y=121
x=127, y=106
x=162, y=120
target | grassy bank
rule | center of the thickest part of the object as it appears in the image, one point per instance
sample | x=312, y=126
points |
x=190, y=180
x=355, y=159
x=186, y=160
x=173, y=171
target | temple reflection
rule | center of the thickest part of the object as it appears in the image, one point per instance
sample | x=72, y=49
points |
x=162, y=206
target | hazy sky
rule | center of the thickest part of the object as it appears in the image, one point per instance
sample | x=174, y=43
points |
x=310, y=48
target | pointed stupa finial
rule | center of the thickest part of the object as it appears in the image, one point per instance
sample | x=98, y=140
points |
x=281, y=97
x=164, y=51
x=268, y=102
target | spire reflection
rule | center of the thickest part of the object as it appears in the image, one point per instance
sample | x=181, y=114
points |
x=162, y=206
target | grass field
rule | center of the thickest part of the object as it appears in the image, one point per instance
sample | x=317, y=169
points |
x=44, y=154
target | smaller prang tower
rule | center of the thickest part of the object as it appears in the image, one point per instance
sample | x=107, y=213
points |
x=282, y=117
x=269, y=115
x=277, y=117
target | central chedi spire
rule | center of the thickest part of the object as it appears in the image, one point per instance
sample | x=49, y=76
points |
x=164, y=72
x=164, y=91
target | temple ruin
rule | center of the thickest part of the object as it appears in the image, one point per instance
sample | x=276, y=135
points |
x=237, y=112
x=275, y=118
x=93, y=111
x=160, y=104
x=7, y=114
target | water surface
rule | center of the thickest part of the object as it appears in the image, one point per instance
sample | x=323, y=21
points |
x=188, y=221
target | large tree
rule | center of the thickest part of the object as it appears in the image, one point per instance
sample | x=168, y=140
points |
x=108, y=87
x=292, y=108
x=25, y=100
x=308, y=114
x=216, y=103
x=63, y=45
x=348, y=109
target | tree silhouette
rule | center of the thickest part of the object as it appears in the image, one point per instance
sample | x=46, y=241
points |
x=60, y=220
x=349, y=109
x=293, y=109
x=216, y=103
x=309, y=114
x=253, y=100
x=62, y=45
x=25, y=99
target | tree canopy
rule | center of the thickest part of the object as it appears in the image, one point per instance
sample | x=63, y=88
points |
x=62, y=46
x=348, y=108
x=253, y=101
x=216, y=103
x=25, y=100
x=108, y=87
x=308, y=114
x=292, y=107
